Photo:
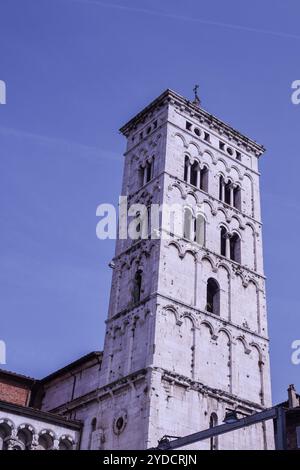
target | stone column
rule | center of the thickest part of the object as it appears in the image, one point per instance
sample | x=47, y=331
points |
x=55, y=444
x=227, y=245
x=35, y=443
x=188, y=178
x=231, y=195
x=198, y=181
x=223, y=190
x=145, y=174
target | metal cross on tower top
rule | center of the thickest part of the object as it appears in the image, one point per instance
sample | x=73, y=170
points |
x=196, y=98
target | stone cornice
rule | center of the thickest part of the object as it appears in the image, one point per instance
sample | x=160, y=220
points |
x=214, y=149
x=195, y=247
x=45, y=416
x=128, y=381
x=213, y=198
x=156, y=179
x=134, y=309
x=233, y=264
x=212, y=121
x=223, y=395
x=212, y=316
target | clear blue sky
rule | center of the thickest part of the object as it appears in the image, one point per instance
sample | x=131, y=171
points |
x=75, y=71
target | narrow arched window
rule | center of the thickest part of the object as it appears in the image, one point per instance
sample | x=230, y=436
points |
x=204, y=179
x=221, y=188
x=93, y=424
x=213, y=421
x=223, y=241
x=194, y=174
x=92, y=430
x=187, y=169
x=146, y=172
x=237, y=197
x=227, y=193
x=187, y=224
x=199, y=229
x=235, y=248
x=137, y=286
x=149, y=228
x=149, y=168
x=213, y=297
x=141, y=176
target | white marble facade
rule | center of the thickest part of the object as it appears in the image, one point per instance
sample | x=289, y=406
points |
x=193, y=342
x=197, y=363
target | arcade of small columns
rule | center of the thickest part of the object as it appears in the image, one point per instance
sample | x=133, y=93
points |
x=27, y=437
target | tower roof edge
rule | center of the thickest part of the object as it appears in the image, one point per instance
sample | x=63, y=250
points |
x=170, y=95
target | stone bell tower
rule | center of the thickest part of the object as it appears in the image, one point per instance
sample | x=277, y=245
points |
x=186, y=338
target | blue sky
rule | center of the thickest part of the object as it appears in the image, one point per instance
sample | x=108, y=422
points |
x=75, y=71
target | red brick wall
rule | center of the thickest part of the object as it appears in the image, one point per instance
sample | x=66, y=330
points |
x=13, y=393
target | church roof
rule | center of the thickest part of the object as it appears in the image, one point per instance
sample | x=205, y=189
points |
x=24, y=379
x=94, y=355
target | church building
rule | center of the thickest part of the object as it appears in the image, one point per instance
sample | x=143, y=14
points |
x=186, y=334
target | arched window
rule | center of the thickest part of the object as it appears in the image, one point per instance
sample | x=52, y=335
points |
x=65, y=443
x=227, y=192
x=149, y=220
x=204, y=179
x=213, y=421
x=93, y=424
x=6, y=428
x=237, y=197
x=25, y=435
x=187, y=223
x=137, y=286
x=199, y=229
x=46, y=440
x=194, y=174
x=141, y=176
x=223, y=241
x=221, y=188
x=213, y=297
x=149, y=171
x=93, y=429
x=142, y=219
x=187, y=166
x=235, y=248
x=146, y=172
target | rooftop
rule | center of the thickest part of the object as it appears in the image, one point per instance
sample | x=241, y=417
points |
x=169, y=96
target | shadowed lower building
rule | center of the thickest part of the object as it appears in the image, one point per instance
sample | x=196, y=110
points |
x=24, y=426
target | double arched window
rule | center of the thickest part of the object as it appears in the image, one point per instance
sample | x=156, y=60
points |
x=195, y=175
x=230, y=245
x=229, y=193
x=146, y=172
x=194, y=228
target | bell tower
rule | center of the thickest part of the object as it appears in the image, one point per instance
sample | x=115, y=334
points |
x=186, y=339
